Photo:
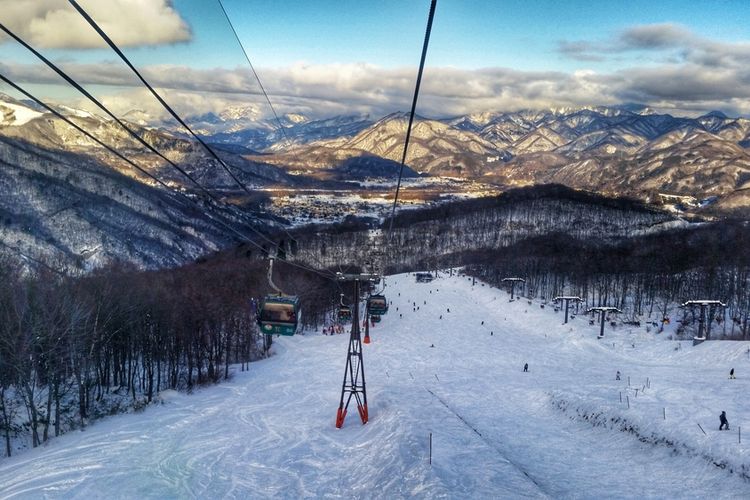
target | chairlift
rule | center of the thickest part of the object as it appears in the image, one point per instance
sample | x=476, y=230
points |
x=279, y=314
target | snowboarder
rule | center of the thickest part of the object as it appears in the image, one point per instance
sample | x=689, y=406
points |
x=617, y=375
x=731, y=373
x=723, y=420
x=525, y=367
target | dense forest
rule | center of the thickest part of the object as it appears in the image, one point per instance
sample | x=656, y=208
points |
x=77, y=348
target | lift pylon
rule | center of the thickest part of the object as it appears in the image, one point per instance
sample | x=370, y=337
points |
x=603, y=310
x=513, y=282
x=354, y=373
x=704, y=304
x=567, y=299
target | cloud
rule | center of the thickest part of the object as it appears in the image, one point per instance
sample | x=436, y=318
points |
x=580, y=50
x=653, y=37
x=320, y=91
x=130, y=23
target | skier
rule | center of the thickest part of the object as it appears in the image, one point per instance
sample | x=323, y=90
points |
x=525, y=367
x=617, y=375
x=723, y=420
x=731, y=373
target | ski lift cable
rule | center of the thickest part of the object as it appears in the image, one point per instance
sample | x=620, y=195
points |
x=218, y=220
x=158, y=97
x=281, y=127
x=411, y=114
x=164, y=104
x=262, y=88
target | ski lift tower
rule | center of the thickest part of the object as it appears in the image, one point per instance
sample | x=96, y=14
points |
x=513, y=282
x=567, y=299
x=704, y=304
x=603, y=310
x=354, y=373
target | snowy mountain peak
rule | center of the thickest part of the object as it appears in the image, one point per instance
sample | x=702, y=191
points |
x=16, y=114
x=296, y=118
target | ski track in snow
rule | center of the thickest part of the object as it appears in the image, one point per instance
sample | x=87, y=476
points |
x=269, y=432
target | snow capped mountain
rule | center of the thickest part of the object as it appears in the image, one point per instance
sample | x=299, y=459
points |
x=14, y=113
x=436, y=148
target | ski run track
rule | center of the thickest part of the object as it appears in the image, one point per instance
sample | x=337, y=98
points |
x=558, y=431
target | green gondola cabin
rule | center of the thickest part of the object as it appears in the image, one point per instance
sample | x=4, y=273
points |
x=378, y=305
x=345, y=313
x=279, y=315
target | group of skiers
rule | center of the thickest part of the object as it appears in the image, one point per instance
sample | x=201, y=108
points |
x=333, y=329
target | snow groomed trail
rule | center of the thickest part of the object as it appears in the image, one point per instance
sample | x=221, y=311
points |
x=497, y=432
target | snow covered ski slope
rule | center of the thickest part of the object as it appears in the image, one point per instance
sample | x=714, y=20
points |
x=558, y=431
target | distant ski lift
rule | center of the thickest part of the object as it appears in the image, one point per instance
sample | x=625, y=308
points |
x=424, y=277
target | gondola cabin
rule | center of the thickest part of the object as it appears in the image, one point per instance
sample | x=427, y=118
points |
x=377, y=305
x=345, y=313
x=279, y=315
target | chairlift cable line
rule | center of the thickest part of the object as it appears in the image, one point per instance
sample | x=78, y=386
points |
x=262, y=88
x=281, y=127
x=158, y=97
x=411, y=114
x=164, y=104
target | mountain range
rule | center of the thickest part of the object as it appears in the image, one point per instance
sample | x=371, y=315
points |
x=67, y=198
x=609, y=150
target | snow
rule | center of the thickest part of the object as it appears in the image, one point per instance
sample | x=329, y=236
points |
x=558, y=431
x=19, y=115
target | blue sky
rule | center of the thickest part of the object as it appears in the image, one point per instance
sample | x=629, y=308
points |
x=329, y=57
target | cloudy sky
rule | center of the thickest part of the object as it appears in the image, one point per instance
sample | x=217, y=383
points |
x=326, y=57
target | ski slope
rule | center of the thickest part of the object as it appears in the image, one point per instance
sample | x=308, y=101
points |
x=554, y=432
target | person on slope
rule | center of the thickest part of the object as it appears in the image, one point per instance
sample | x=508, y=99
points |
x=723, y=420
x=617, y=376
x=525, y=367
x=731, y=373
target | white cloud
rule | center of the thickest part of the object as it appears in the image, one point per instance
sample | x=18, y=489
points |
x=324, y=90
x=130, y=23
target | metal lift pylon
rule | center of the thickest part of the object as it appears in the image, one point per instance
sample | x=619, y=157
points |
x=354, y=373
